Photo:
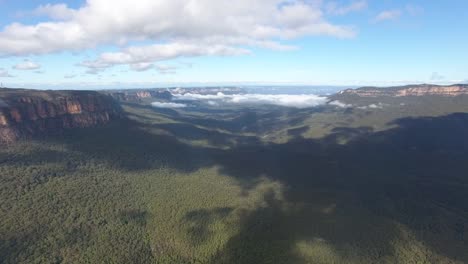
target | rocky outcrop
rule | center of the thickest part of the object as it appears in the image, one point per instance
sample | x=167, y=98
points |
x=412, y=90
x=26, y=113
x=149, y=95
x=139, y=95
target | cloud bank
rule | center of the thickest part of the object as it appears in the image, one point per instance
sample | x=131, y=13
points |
x=162, y=30
x=366, y=107
x=340, y=104
x=297, y=101
x=168, y=105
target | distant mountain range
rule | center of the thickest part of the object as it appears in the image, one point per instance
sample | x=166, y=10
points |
x=25, y=113
x=372, y=175
x=409, y=90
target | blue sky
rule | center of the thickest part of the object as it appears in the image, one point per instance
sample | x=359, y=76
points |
x=145, y=43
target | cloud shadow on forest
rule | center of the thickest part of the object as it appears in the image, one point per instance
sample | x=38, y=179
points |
x=410, y=174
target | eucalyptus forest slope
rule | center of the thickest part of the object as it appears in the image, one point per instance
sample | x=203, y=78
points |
x=243, y=185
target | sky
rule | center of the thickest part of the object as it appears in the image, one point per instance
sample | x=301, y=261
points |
x=72, y=44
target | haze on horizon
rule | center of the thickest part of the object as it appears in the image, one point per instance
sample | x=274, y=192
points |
x=146, y=43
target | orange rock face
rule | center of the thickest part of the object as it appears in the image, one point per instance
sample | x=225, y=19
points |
x=444, y=91
x=16, y=115
x=73, y=107
x=3, y=119
x=26, y=112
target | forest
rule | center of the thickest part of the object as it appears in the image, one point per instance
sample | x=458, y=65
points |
x=252, y=184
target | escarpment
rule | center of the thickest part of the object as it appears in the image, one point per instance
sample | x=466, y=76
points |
x=139, y=95
x=27, y=113
x=142, y=95
x=411, y=90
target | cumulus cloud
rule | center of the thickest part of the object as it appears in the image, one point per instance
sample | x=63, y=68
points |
x=388, y=15
x=181, y=28
x=168, y=105
x=142, y=66
x=56, y=12
x=145, y=55
x=27, y=65
x=335, y=9
x=297, y=101
x=5, y=74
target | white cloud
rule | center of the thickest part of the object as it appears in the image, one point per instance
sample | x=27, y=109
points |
x=144, y=66
x=435, y=76
x=94, y=71
x=297, y=101
x=141, y=66
x=27, y=65
x=344, y=105
x=340, y=104
x=388, y=15
x=212, y=103
x=144, y=55
x=56, y=12
x=176, y=28
x=168, y=105
x=4, y=73
x=374, y=106
x=335, y=9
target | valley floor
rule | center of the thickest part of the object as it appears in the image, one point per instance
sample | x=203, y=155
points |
x=262, y=185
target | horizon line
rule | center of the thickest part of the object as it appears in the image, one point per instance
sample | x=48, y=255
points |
x=218, y=85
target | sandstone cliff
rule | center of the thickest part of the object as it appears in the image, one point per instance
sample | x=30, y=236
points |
x=411, y=90
x=26, y=113
x=139, y=95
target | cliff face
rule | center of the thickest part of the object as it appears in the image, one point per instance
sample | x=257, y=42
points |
x=416, y=90
x=25, y=113
x=139, y=95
